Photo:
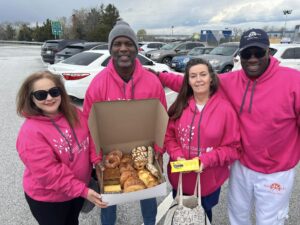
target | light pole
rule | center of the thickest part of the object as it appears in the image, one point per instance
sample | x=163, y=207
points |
x=172, y=27
x=286, y=12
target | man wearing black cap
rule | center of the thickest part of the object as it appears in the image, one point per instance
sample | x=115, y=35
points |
x=266, y=96
x=124, y=78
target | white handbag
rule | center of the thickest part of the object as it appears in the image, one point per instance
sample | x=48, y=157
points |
x=187, y=210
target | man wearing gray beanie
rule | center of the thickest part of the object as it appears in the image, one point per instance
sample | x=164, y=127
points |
x=124, y=78
x=122, y=29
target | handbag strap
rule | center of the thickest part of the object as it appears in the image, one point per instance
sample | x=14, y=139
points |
x=179, y=194
x=197, y=190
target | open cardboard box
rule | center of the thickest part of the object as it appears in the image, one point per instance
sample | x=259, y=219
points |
x=125, y=125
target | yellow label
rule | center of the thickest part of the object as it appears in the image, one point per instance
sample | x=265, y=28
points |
x=184, y=165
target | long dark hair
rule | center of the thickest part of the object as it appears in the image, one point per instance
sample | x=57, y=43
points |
x=186, y=91
x=26, y=106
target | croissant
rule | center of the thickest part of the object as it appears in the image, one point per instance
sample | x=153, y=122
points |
x=133, y=184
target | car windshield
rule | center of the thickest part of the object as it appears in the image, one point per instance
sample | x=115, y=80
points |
x=82, y=59
x=169, y=46
x=71, y=50
x=50, y=44
x=224, y=50
x=196, y=51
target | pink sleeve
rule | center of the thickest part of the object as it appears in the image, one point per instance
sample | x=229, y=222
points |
x=171, y=80
x=93, y=153
x=230, y=148
x=44, y=164
x=171, y=144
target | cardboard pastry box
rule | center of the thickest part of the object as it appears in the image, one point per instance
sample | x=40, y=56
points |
x=125, y=125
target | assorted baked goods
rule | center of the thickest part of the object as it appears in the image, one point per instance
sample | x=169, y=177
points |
x=130, y=172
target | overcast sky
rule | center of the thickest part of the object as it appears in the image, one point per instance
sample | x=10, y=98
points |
x=158, y=16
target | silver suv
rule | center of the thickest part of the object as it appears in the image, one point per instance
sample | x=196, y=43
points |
x=221, y=57
x=168, y=51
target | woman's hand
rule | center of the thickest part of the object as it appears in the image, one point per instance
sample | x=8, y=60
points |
x=201, y=166
x=96, y=198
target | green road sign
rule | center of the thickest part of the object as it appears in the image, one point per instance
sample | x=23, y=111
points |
x=56, y=28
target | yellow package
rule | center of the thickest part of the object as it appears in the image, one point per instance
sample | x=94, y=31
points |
x=184, y=165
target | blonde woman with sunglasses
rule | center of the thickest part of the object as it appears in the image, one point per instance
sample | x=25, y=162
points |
x=56, y=148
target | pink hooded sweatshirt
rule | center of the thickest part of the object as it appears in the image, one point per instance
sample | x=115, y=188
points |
x=269, y=115
x=109, y=86
x=212, y=135
x=49, y=174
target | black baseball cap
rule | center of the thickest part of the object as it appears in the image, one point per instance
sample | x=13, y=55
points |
x=254, y=38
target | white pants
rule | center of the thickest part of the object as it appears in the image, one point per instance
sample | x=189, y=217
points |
x=269, y=194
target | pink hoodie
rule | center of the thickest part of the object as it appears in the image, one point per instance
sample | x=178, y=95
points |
x=212, y=134
x=109, y=86
x=269, y=114
x=49, y=175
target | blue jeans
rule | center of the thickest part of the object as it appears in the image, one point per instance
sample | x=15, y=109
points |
x=148, y=208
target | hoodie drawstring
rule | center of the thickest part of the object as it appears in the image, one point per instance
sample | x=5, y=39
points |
x=132, y=89
x=190, y=137
x=244, y=97
x=251, y=97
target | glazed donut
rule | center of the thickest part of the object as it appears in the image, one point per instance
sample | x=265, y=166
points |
x=125, y=166
x=116, y=153
x=112, y=161
x=127, y=159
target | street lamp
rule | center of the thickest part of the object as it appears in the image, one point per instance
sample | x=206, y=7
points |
x=286, y=12
x=172, y=27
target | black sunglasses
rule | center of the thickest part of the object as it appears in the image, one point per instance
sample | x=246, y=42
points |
x=258, y=53
x=41, y=95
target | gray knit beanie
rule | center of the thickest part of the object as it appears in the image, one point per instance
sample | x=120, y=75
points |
x=122, y=29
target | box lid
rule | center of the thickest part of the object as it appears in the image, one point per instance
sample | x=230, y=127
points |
x=119, y=122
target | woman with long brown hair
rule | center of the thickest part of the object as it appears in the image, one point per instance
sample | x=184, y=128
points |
x=202, y=125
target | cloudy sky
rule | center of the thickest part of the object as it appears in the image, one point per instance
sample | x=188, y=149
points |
x=158, y=16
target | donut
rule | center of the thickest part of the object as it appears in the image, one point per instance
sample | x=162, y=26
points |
x=127, y=159
x=116, y=153
x=125, y=166
x=111, y=161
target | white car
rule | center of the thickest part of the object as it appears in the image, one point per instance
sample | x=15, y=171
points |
x=287, y=54
x=148, y=46
x=79, y=70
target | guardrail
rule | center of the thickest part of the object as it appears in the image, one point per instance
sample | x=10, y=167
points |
x=21, y=42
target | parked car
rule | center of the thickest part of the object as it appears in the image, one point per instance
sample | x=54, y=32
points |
x=287, y=54
x=73, y=49
x=148, y=46
x=178, y=63
x=221, y=57
x=168, y=51
x=51, y=47
x=101, y=47
x=79, y=70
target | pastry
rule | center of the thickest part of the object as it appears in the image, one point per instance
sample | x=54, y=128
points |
x=133, y=184
x=112, y=188
x=148, y=179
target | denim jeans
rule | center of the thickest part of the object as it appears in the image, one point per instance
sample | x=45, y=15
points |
x=148, y=208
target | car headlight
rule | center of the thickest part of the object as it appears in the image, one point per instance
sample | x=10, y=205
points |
x=185, y=60
x=214, y=62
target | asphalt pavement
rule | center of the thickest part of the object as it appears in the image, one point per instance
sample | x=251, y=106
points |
x=17, y=62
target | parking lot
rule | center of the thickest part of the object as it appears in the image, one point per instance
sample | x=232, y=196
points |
x=16, y=62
